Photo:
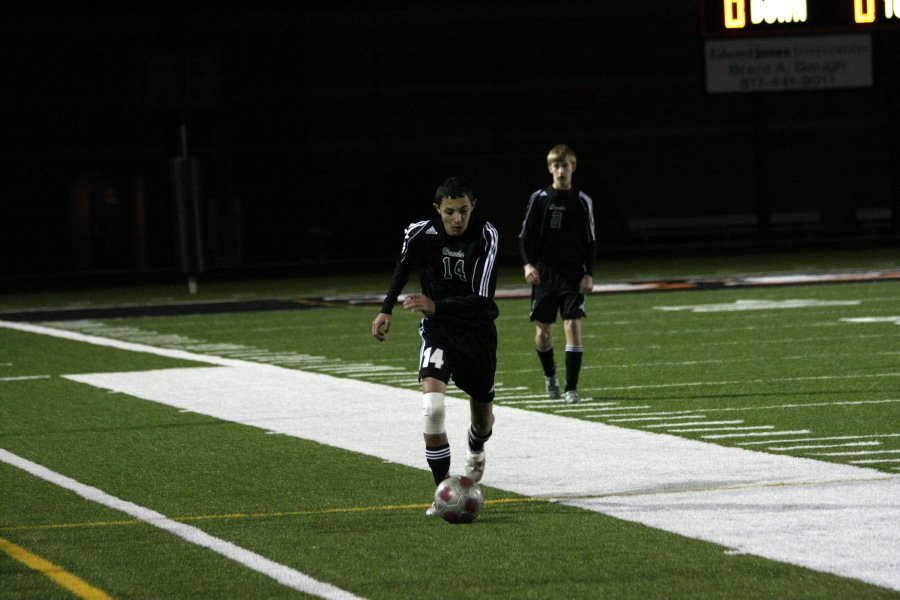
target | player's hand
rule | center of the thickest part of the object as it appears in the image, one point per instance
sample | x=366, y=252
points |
x=587, y=284
x=419, y=303
x=531, y=274
x=380, y=326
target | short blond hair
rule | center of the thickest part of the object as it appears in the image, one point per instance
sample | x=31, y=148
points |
x=560, y=152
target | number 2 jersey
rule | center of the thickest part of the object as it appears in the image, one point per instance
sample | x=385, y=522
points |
x=558, y=230
x=457, y=272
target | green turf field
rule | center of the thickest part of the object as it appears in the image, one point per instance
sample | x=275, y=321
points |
x=806, y=371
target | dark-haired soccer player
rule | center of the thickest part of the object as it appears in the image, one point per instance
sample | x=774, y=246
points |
x=455, y=254
x=558, y=246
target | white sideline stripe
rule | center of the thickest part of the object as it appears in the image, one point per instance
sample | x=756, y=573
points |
x=742, y=305
x=24, y=377
x=280, y=573
x=826, y=516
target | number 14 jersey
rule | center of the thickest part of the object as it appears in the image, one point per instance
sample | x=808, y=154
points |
x=457, y=272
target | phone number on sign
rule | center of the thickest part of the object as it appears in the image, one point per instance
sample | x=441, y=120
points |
x=787, y=82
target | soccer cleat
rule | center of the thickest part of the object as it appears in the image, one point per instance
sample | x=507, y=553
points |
x=431, y=511
x=572, y=397
x=475, y=465
x=552, y=386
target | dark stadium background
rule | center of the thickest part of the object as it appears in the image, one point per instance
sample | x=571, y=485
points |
x=321, y=130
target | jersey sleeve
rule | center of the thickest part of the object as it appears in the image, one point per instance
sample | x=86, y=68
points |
x=530, y=232
x=590, y=233
x=409, y=252
x=479, y=305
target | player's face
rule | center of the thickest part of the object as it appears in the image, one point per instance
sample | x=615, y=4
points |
x=562, y=173
x=455, y=213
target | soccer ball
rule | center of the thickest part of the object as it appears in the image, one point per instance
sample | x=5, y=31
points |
x=458, y=499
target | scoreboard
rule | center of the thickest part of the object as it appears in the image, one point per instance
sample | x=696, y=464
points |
x=736, y=18
x=786, y=45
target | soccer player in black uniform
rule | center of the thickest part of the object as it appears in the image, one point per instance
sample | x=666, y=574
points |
x=455, y=254
x=558, y=245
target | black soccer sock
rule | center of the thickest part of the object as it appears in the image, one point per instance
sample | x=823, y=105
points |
x=438, y=458
x=573, y=366
x=476, y=444
x=547, y=362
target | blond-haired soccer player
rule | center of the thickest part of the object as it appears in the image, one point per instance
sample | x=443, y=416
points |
x=558, y=245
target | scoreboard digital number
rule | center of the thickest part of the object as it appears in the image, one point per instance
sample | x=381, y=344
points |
x=733, y=18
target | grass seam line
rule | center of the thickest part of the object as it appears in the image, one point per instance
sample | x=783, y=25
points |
x=263, y=515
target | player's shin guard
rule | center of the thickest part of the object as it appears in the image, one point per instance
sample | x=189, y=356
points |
x=438, y=458
x=573, y=366
x=433, y=413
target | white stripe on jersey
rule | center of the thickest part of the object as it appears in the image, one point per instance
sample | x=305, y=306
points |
x=489, y=233
x=411, y=231
x=589, y=207
x=531, y=200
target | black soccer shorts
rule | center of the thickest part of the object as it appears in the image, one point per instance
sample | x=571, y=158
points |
x=558, y=293
x=467, y=355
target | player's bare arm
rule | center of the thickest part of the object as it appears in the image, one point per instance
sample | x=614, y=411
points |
x=380, y=326
x=531, y=274
x=587, y=284
x=419, y=303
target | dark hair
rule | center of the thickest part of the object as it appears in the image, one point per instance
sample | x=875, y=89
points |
x=454, y=187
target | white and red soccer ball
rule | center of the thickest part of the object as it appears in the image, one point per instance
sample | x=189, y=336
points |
x=458, y=499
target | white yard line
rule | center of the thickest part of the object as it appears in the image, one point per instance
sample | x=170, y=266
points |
x=834, y=518
x=821, y=446
x=855, y=453
x=720, y=436
x=821, y=439
x=705, y=429
x=742, y=382
x=284, y=575
x=593, y=411
x=669, y=426
x=631, y=419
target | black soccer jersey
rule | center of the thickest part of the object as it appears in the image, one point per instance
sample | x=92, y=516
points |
x=558, y=230
x=457, y=272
